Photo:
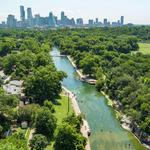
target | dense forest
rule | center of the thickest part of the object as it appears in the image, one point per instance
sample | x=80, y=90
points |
x=24, y=56
x=112, y=57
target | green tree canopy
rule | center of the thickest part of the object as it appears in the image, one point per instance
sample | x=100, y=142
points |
x=67, y=138
x=45, y=123
x=45, y=83
x=38, y=142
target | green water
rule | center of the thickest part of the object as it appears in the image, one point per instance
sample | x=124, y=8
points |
x=107, y=133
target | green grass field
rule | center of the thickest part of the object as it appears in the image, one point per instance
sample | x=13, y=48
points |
x=61, y=111
x=144, y=48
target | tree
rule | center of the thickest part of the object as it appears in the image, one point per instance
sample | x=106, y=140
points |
x=8, y=146
x=75, y=121
x=100, y=83
x=38, y=142
x=42, y=59
x=48, y=104
x=5, y=124
x=28, y=113
x=2, y=91
x=1, y=81
x=43, y=84
x=6, y=47
x=30, y=44
x=8, y=103
x=45, y=123
x=88, y=64
x=19, y=64
x=67, y=138
x=13, y=142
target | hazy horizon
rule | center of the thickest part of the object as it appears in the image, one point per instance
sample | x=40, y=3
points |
x=135, y=11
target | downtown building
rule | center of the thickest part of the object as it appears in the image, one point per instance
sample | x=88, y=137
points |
x=11, y=21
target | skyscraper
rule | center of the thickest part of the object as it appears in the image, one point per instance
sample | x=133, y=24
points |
x=11, y=21
x=91, y=22
x=62, y=15
x=72, y=22
x=122, y=20
x=29, y=13
x=29, y=17
x=79, y=22
x=96, y=21
x=105, y=22
x=37, y=20
x=22, y=13
x=63, y=18
x=51, y=20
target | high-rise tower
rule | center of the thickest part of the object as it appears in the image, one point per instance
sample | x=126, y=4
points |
x=122, y=20
x=51, y=20
x=11, y=21
x=29, y=13
x=22, y=13
x=63, y=18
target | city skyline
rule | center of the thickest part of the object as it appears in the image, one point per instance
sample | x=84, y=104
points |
x=135, y=11
x=28, y=20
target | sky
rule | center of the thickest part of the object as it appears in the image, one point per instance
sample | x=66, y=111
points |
x=135, y=11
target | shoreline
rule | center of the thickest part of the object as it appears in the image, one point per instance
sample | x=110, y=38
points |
x=125, y=127
x=85, y=127
x=109, y=102
x=82, y=77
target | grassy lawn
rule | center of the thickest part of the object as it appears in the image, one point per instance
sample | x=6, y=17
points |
x=61, y=111
x=144, y=48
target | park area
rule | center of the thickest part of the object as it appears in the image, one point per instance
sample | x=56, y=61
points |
x=144, y=48
x=61, y=111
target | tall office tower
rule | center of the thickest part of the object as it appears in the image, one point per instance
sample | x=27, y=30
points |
x=63, y=18
x=72, y=22
x=105, y=22
x=80, y=22
x=37, y=20
x=118, y=22
x=56, y=20
x=62, y=15
x=22, y=13
x=11, y=21
x=91, y=22
x=96, y=21
x=51, y=20
x=29, y=13
x=122, y=20
x=29, y=17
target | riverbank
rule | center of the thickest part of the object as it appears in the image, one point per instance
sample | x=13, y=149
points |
x=110, y=102
x=80, y=74
x=85, y=130
x=123, y=119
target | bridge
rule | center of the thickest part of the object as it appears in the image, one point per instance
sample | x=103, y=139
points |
x=55, y=55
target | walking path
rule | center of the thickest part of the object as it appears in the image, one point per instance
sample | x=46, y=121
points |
x=85, y=130
x=30, y=136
